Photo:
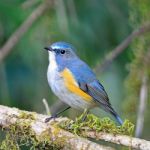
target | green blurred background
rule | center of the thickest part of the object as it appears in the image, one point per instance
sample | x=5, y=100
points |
x=94, y=27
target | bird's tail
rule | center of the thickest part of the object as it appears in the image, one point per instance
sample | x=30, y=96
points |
x=119, y=120
x=113, y=112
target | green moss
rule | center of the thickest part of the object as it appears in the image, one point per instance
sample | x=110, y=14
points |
x=9, y=143
x=27, y=115
x=97, y=124
x=21, y=134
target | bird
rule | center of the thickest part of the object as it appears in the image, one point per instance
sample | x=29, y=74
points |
x=74, y=82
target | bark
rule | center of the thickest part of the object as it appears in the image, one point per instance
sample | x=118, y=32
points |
x=132, y=142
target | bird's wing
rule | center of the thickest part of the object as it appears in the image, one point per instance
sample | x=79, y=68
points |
x=96, y=91
x=88, y=83
x=72, y=85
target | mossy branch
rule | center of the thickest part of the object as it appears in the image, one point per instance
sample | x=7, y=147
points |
x=30, y=128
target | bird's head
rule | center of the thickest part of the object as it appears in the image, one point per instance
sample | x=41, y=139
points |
x=61, y=52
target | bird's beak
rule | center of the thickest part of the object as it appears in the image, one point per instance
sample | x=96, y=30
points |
x=48, y=48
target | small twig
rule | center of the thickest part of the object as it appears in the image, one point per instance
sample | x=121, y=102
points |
x=48, y=112
x=121, y=47
x=142, y=105
x=16, y=36
x=132, y=142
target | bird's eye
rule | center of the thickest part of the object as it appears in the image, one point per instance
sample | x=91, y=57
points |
x=62, y=51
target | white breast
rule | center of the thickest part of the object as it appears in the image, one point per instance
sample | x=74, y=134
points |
x=52, y=72
x=57, y=85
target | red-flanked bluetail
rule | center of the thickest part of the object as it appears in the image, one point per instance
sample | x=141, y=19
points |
x=73, y=82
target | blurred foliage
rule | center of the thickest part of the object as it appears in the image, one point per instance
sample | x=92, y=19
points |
x=139, y=66
x=94, y=27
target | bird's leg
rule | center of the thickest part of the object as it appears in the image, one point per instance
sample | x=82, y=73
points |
x=84, y=115
x=56, y=115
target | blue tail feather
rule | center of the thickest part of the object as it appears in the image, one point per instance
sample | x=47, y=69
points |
x=119, y=119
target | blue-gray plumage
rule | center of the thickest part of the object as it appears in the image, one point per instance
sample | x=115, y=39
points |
x=74, y=82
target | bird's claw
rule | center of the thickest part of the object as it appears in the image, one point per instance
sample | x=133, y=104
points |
x=50, y=118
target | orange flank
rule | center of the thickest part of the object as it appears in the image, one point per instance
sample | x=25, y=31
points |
x=73, y=86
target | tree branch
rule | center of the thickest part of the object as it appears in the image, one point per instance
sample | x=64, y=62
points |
x=121, y=47
x=65, y=139
x=15, y=37
x=40, y=129
x=135, y=143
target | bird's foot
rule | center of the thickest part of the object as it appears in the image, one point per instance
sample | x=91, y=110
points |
x=50, y=118
x=84, y=118
x=84, y=115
